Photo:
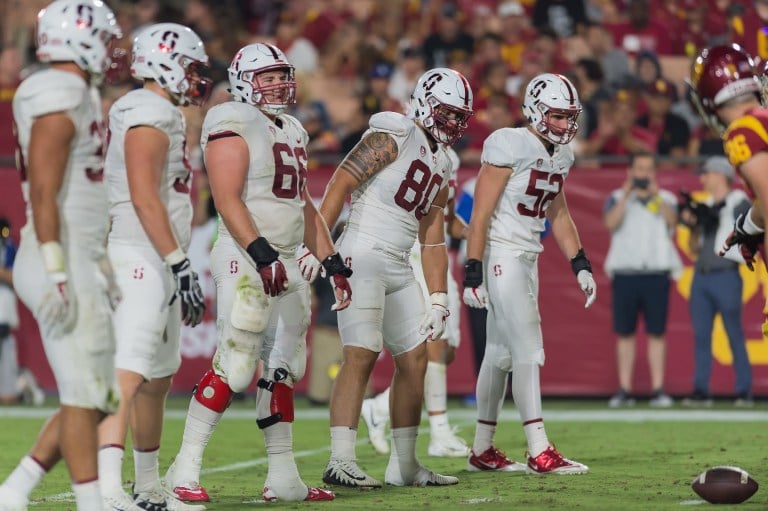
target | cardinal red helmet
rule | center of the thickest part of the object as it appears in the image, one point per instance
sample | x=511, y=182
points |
x=720, y=74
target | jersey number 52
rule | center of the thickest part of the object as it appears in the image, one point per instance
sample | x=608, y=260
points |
x=544, y=187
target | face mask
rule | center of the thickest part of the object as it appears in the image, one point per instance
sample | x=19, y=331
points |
x=641, y=183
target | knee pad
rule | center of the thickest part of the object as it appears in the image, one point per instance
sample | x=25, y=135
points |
x=280, y=396
x=250, y=309
x=212, y=392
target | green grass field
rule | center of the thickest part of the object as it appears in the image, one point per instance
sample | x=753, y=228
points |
x=639, y=459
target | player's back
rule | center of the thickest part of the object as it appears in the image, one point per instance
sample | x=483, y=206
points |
x=145, y=108
x=536, y=180
x=387, y=208
x=82, y=198
x=745, y=137
x=277, y=171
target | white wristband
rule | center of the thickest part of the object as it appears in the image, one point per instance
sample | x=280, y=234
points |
x=53, y=256
x=750, y=227
x=439, y=299
x=175, y=257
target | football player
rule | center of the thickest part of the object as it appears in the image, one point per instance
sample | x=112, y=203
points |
x=255, y=156
x=520, y=184
x=60, y=132
x=398, y=177
x=728, y=93
x=148, y=181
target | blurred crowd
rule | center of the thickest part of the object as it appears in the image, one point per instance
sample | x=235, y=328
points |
x=355, y=58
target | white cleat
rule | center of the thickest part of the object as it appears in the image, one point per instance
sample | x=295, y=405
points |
x=12, y=501
x=119, y=502
x=348, y=473
x=376, y=423
x=422, y=477
x=447, y=445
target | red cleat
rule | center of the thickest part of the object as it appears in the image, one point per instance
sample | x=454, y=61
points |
x=314, y=495
x=191, y=493
x=492, y=460
x=552, y=462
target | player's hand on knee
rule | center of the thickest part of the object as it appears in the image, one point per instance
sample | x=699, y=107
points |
x=308, y=264
x=475, y=294
x=56, y=309
x=188, y=290
x=587, y=284
x=338, y=272
x=433, y=324
x=273, y=274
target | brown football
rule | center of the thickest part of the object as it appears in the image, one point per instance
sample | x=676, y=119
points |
x=724, y=485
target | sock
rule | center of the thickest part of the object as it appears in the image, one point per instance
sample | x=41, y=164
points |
x=26, y=476
x=343, y=441
x=282, y=474
x=201, y=422
x=111, y=468
x=526, y=391
x=435, y=388
x=146, y=468
x=438, y=424
x=490, y=390
x=403, y=452
x=381, y=403
x=88, y=495
x=484, y=432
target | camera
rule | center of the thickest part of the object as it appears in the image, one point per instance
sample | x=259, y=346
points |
x=641, y=183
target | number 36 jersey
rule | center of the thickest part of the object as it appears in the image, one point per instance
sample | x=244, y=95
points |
x=388, y=207
x=746, y=137
x=141, y=107
x=536, y=180
x=277, y=171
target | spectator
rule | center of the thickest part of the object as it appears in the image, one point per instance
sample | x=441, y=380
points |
x=717, y=285
x=448, y=38
x=641, y=218
x=565, y=17
x=589, y=79
x=614, y=61
x=299, y=50
x=9, y=319
x=408, y=68
x=640, y=32
x=376, y=96
x=647, y=67
x=516, y=33
x=673, y=131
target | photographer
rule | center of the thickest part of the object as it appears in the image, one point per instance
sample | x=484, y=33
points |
x=641, y=218
x=717, y=285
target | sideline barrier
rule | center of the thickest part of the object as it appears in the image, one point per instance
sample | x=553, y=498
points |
x=580, y=346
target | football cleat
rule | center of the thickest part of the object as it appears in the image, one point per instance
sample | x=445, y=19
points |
x=184, y=487
x=447, y=445
x=314, y=495
x=493, y=460
x=422, y=477
x=191, y=492
x=162, y=499
x=10, y=500
x=119, y=501
x=377, y=426
x=347, y=473
x=551, y=461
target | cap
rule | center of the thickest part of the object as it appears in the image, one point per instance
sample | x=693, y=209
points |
x=662, y=87
x=412, y=52
x=381, y=70
x=718, y=165
x=510, y=9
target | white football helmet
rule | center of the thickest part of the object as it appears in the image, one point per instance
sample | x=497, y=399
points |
x=79, y=31
x=173, y=56
x=548, y=94
x=442, y=103
x=246, y=86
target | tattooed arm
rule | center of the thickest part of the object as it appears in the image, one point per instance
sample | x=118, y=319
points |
x=374, y=152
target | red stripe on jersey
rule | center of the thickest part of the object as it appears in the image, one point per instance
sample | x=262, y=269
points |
x=221, y=134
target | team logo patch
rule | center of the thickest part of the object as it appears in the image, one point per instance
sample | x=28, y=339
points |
x=423, y=151
x=539, y=162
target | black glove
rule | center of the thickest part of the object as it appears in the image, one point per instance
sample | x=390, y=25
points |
x=338, y=272
x=749, y=244
x=473, y=273
x=273, y=274
x=189, y=291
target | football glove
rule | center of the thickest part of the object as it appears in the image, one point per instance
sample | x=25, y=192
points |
x=433, y=324
x=273, y=274
x=308, y=264
x=338, y=272
x=582, y=268
x=57, y=309
x=475, y=294
x=749, y=244
x=188, y=291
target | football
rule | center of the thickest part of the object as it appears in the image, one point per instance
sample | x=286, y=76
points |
x=724, y=485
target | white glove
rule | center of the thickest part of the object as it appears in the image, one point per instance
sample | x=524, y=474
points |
x=476, y=297
x=308, y=264
x=433, y=324
x=57, y=307
x=587, y=284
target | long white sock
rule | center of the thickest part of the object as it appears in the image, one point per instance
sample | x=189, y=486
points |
x=526, y=390
x=201, y=422
x=403, y=451
x=146, y=468
x=26, y=476
x=343, y=441
x=490, y=390
x=282, y=474
x=111, y=468
x=88, y=495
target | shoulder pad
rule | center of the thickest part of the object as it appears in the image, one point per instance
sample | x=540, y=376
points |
x=391, y=122
x=49, y=91
x=226, y=117
x=500, y=148
x=141, y=110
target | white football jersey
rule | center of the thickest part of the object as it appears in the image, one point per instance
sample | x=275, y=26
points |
x=537, y=178
x=277, y=172
x=141, y=107
x=82, y=198
x=388, y=207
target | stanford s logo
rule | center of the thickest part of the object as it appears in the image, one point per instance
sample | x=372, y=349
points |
x=432, y=80
x=84, y=16
x=168, y=42
x=537, y=88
